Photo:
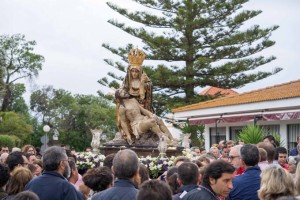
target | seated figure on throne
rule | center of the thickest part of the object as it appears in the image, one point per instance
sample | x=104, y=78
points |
x=136, y=82
x=135, y=120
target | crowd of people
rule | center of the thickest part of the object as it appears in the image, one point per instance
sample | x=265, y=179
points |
x=226, y=172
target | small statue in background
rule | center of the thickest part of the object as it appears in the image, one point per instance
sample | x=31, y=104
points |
x=186, y=140
x=162, y=145
x=95, y=144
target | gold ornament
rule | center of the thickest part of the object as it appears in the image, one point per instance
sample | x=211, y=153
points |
x=136, y=57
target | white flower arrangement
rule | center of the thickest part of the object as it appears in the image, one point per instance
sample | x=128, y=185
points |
x=157, y=165
x=88, y=160
x=189, y=154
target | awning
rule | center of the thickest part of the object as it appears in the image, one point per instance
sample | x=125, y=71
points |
x=247, y=118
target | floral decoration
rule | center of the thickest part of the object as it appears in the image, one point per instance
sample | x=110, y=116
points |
x=157, y=165
x=88, y=160
x=189, y=154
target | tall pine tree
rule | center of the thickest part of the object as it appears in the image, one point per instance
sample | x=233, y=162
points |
x=202, y=39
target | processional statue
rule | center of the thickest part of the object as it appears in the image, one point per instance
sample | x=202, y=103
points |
x=135, y=115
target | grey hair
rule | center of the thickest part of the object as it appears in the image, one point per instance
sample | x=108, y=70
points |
x=125, y=164
x=52, y=157
x=238, y=148
x=250, y=154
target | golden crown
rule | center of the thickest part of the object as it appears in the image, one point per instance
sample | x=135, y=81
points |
x=136, y=57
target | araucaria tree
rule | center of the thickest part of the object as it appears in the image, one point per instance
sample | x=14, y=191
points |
x=205, y=40
x=17, y=61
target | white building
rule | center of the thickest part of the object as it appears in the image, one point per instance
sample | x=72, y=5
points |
x=276, y=109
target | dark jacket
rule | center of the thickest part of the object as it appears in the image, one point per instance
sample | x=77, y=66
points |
x=246, y=185
x=183, y=190
x=53, y=186
x=123, y=189
x=202, y=192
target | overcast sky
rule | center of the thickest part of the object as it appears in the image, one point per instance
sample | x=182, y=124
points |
x=69, y=34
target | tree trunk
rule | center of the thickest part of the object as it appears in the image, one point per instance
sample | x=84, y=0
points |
x=7, y=100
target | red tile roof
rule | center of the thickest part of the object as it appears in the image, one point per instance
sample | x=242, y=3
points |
x=276, y=92
x=212, y=91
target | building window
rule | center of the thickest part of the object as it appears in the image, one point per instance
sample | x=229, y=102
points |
x=215, y=138
x=293, y=130
x=270, y=129
x=234, y=132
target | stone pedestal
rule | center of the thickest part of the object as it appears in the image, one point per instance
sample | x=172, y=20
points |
x=140, y=150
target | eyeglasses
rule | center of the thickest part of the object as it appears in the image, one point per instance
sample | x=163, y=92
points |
x=24, y=164
x=232, y=157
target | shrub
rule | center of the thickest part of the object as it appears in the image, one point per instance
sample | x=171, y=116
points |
x=6, y=140
x=253, y=134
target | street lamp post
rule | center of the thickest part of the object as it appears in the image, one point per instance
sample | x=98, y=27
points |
x=46, y=129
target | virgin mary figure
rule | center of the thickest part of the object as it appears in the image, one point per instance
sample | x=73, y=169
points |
x=138, y=86
x=136, y=81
